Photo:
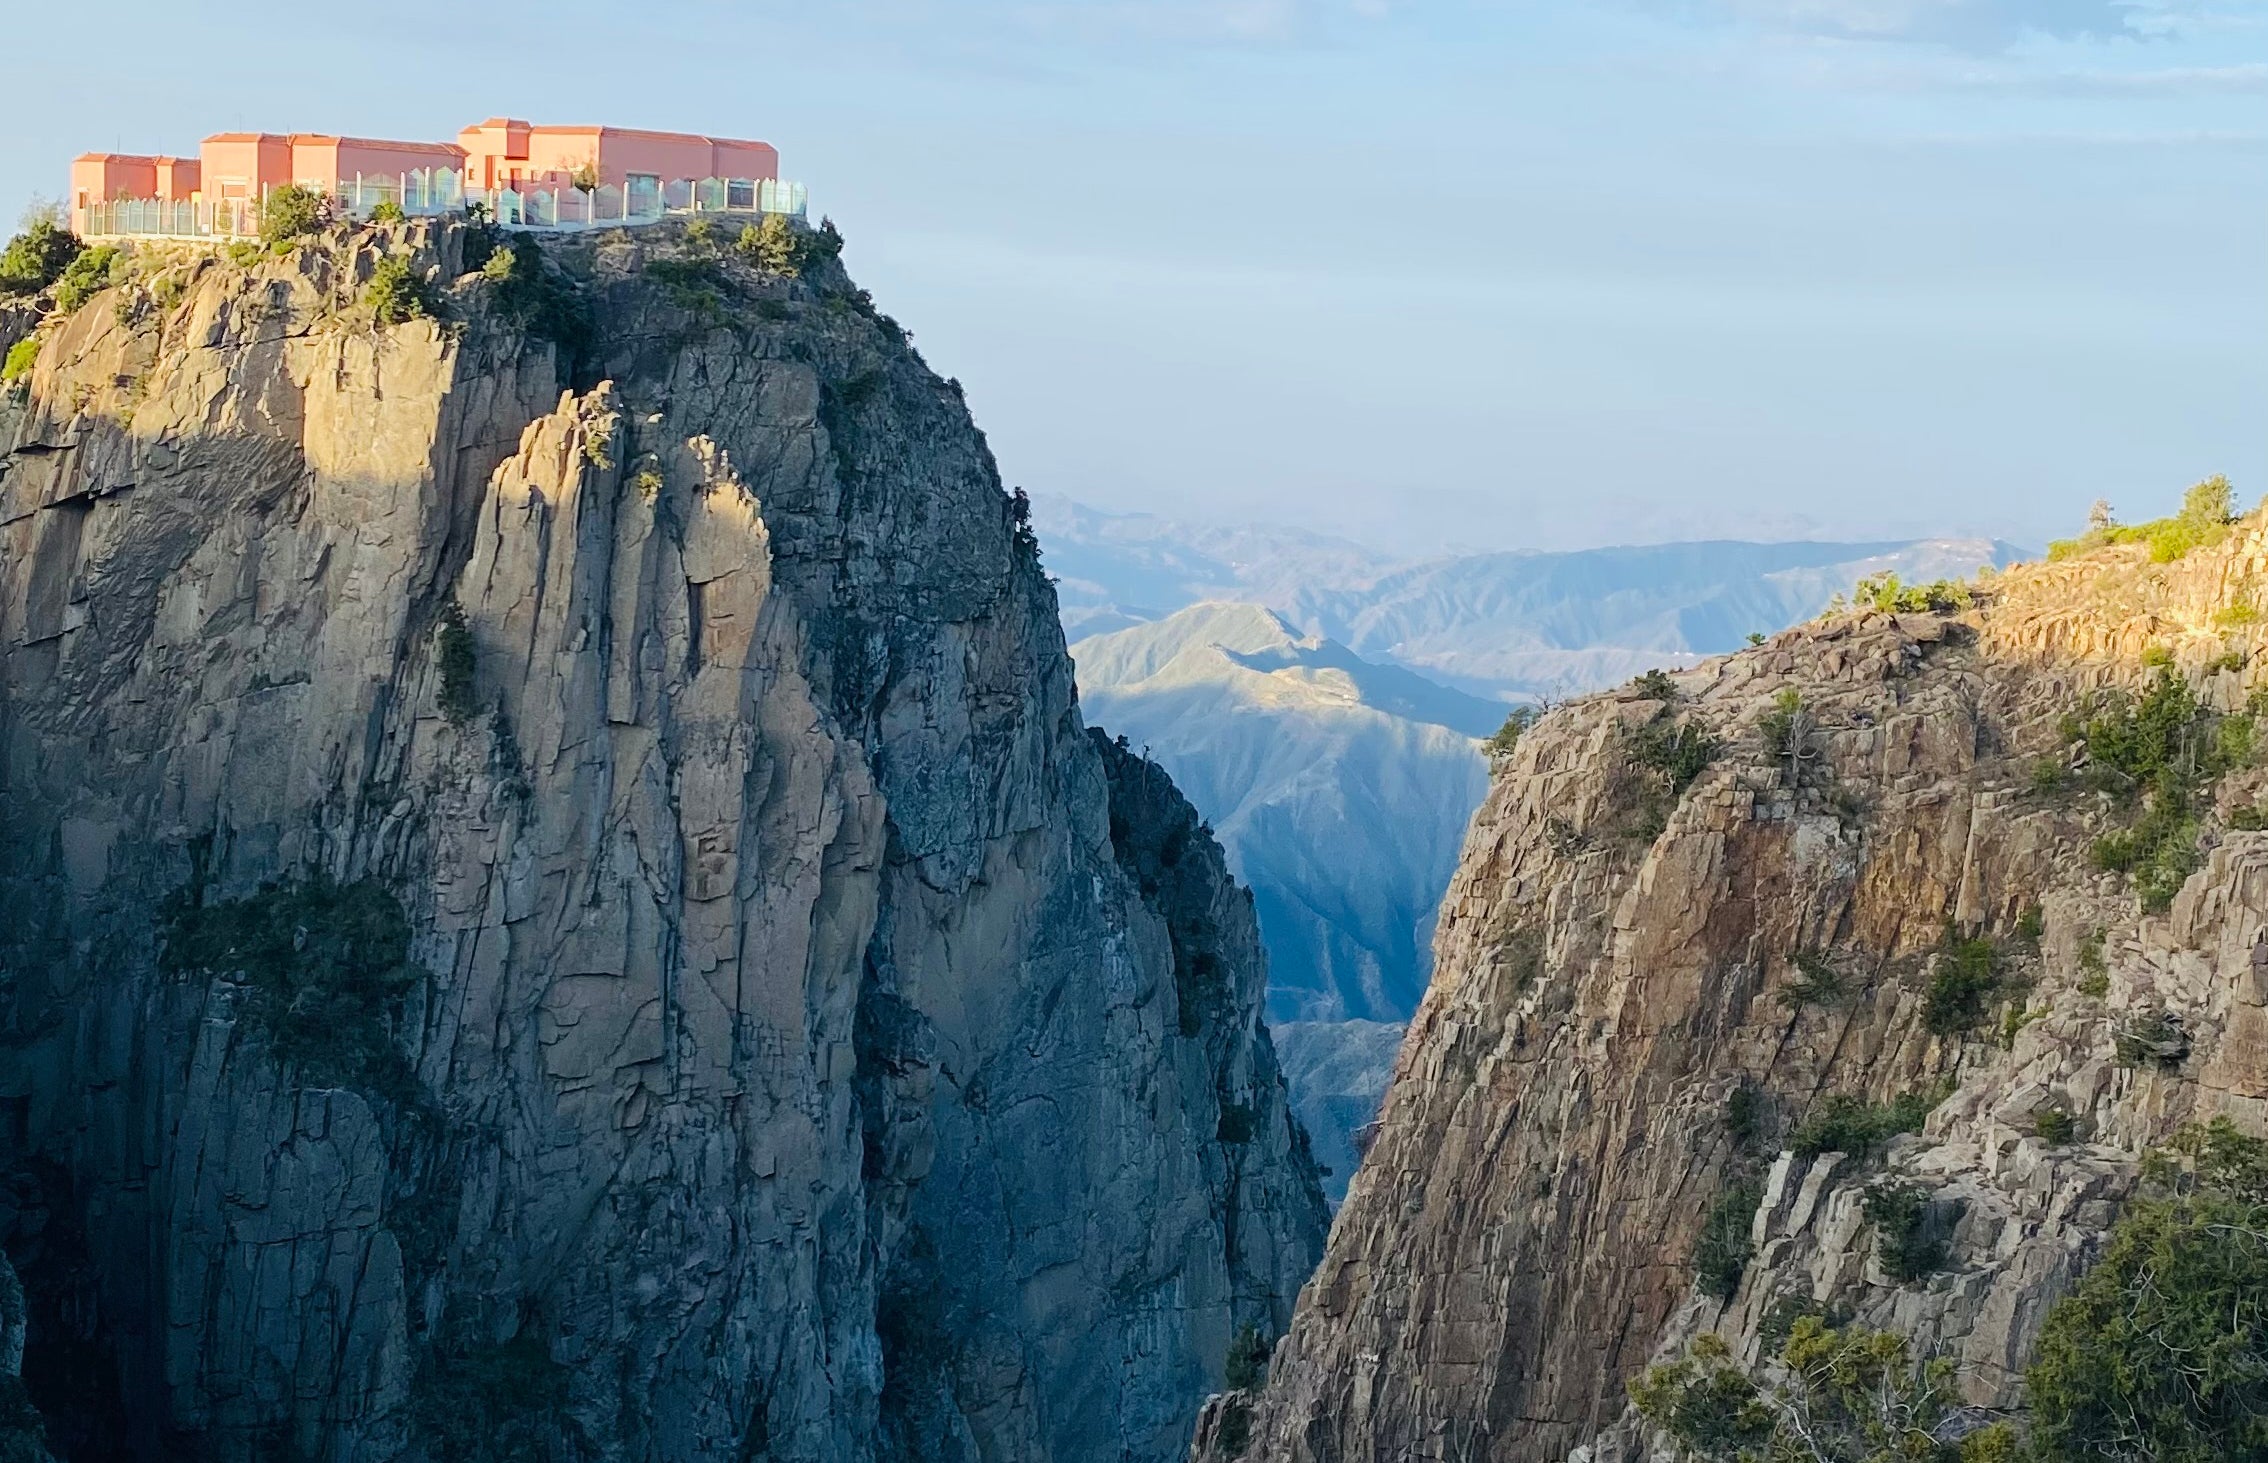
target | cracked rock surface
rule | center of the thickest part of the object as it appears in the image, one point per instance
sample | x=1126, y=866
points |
x=1520, y=1241
x=796, y=1069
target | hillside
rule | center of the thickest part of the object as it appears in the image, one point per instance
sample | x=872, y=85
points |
x=558, y=903
x=1848, y=976
x=1340, y=791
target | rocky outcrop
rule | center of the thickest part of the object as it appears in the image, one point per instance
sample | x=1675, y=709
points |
x=1644, y=992
x=558, y=904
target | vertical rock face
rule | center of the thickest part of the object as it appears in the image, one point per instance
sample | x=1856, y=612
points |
x=1618, y=959
x=787, y=1064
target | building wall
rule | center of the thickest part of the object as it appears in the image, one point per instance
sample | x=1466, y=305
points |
x=245, y=164
x=502, y=151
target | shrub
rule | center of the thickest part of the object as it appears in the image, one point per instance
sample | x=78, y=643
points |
x=396, y=293
x=1521, y=952
x=326, y=966
x=1507, y=738
x=1247, y=1365
x=1886, y=592
x=1675, y=751
x=2154, y=1037
x=1236, y=1124
x=646, y=482
x=525, y=291
x=1722, y=1253
x=1746, y=1114
x=1788, y=732
x=2053, y=1126
x=1655, y=685
x=2094, y=972
x=2207, y=510
x=698, y=285
x=387, y=211
x=1964, y=981
x=453, y=653
x=1907, y=1244
x=779, y=246
x=37, y=257
x=22, y=356
x=2031, y=926
x=499, y=1403
x=2161, y=1350
x=89, y=274
x=1847, y=1123
x=291, y=213
x=701, y=234
x=1817, y=982
x=1839, y=1396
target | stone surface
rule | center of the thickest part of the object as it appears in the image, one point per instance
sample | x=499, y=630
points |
x=800, y=1071
x=1519, y=1242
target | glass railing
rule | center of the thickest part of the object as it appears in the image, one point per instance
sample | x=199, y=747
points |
x=432, y=192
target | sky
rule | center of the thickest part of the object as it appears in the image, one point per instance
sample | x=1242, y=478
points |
x=1436, y=275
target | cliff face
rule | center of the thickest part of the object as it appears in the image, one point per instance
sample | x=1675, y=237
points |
x=558, y=903
x=1893, y=811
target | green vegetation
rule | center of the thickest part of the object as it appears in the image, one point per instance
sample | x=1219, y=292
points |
x=2053, y=1126
x=1817, y=982
x=1965, y=979
x=2154, y=1037
x=89, y=274
x=1247, y=1365
x=1507, y=738
x=2031, y=926
x=387, y=211
x=1655, y=685
x=1722, y=1253
x=1907, y=1244
x=1236, y=1124
x=1835, y=1396
x=1662, y=757
x=2094, y=971
x=2207, y=510
x=701, y=234
x=1746, y=1114
x=779, y=246
x=696, y=285
x=37, y=257
x=499, y=1403
x=538, y=299
x=1789, y=732
x=22, y=356
x=2167, y=750
x=290, y=214
x=1886, y=592
x=396, y=293
x=2161, y=1352
x=1521, y=953
x=453, y=652
x=1847, y=1123
x=326, y=966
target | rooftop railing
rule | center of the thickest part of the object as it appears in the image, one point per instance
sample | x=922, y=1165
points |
x=433, y=192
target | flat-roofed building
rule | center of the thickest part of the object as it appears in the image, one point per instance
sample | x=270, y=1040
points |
x=504, y=152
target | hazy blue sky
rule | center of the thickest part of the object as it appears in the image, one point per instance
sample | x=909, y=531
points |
x=1437, y=273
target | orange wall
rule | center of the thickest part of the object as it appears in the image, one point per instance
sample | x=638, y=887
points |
x=501, y=149
x=244, y=164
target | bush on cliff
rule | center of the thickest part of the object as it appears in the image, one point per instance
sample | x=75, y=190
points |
x=37, y=257
x=88, y=275
x=22, y=356
x=2207, y=510
x=396, y=294
x=325, y=966
x=2161, y=1352
x=291, y=213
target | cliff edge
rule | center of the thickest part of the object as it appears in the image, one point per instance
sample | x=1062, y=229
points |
x=1965, y=907
x=557, y=903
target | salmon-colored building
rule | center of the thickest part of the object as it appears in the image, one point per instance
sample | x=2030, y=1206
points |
x=504, y=152
x=240, y=168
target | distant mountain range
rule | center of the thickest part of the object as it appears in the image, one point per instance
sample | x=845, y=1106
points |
x=1501, y=625
x=1324, y=705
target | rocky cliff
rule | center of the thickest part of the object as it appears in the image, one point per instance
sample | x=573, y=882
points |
x=1730, y=948
x=557, y=900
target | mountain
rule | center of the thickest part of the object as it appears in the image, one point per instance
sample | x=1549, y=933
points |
x=1499, y=625
x=1340, y=790
x=555, y=900
x=1843, y=981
